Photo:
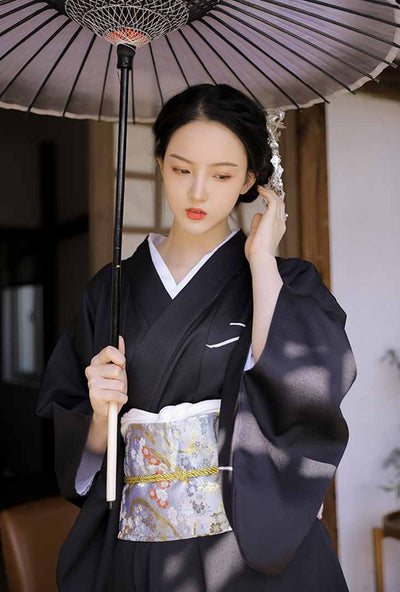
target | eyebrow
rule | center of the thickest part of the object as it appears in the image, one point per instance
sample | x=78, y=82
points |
x=213, y=164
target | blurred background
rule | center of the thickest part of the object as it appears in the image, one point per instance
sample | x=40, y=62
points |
x=342, y=183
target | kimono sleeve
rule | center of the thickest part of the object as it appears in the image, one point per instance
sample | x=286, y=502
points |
x=289, y=434
x=64, y=393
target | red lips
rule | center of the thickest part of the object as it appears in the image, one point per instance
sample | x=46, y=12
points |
x=195, y=214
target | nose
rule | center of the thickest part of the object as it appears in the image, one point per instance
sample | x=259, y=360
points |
x=198, y=192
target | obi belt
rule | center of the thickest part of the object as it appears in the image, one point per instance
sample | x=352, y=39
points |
x=171, y=488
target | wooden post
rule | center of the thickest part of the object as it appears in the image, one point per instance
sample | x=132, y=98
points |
x=313, y=189
x=314, y=226
x=377, y=540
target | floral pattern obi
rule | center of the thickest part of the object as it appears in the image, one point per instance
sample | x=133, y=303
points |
x=171, y=488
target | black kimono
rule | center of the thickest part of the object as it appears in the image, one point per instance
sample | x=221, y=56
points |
x=281, y=428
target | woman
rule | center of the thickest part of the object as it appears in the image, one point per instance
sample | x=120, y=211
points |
x=229, y=379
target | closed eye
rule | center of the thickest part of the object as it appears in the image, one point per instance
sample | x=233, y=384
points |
x=223, y=177
x=181, y=170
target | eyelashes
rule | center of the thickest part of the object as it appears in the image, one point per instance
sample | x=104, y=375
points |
x=223, y=179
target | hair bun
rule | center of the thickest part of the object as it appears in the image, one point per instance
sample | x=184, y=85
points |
x=262, y=177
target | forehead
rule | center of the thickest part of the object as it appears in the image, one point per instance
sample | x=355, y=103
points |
x=206, y=142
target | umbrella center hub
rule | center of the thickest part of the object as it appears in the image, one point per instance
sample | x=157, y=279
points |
x=133, y=22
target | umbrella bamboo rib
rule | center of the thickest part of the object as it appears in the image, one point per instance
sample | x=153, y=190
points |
x=246, y=57
x=290, y=72
x=318, y=48
x=319, y=32
x=19, y=8
x=30, y=34
x=79, y=73
x=177, y=61
x=156, y=73
x=351, y=11
x=24, y=20
x=226, y=64
x=197, y=56
x=264, y=52
x=65, y=23
x=62, y=54
x=327, y=20
x=104, y=82
x=382, y=3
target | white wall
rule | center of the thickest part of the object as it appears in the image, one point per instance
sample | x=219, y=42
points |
x=363, y=139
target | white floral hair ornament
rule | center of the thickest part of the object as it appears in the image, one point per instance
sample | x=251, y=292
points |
x=274, y=126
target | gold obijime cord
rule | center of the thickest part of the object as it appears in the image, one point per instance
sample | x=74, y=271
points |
x=179, y=473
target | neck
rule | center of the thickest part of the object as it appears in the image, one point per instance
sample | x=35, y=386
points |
x=183, y=249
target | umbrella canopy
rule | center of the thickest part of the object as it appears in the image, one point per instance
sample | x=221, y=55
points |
x=287, y=54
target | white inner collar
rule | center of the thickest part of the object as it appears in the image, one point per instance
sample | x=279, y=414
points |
x=166, y=277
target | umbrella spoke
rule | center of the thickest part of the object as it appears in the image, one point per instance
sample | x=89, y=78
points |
x=85, y=57
x=255, y=66
x=30, y=34
x=300, y=24
x=197, y=56
x=232, y=71
x=62, y=54
x=176, y=60
x=352, y=11
x=382, y=3
x=104, y=82
x=302, y=57
x=24, y=20
x=327, y=20
x=33, y=56
x=156, y=73
x=18, y=9
x=265, y=53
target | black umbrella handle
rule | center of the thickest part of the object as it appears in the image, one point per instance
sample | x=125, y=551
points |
x=125, y=59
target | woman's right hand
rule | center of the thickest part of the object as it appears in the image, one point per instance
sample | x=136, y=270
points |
x=107, y=381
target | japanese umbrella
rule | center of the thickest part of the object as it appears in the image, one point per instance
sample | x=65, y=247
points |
x=58, y=58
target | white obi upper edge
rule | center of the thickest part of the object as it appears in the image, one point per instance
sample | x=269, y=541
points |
x=169, y=413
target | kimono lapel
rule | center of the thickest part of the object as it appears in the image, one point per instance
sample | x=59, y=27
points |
x=169, y=321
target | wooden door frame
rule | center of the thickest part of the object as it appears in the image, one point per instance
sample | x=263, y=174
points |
x=313, y=227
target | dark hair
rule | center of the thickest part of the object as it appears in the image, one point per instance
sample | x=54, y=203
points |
x=229, y=106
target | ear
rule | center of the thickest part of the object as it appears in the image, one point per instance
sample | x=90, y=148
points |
x=160, y=163
x=250, y=180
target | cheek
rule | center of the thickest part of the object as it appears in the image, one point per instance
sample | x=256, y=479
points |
x=172, y=187
x=233, y=189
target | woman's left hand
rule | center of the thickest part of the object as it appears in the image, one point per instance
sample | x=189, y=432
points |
x=267, y=229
